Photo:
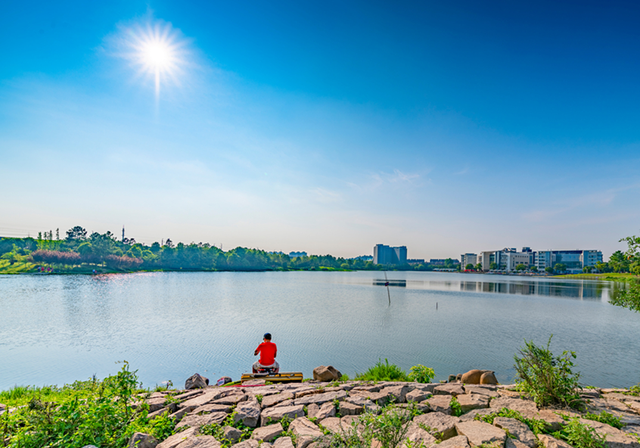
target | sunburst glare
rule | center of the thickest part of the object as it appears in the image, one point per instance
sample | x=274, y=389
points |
x=158, y=52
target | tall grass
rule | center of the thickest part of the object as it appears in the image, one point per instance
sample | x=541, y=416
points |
x=383, y=372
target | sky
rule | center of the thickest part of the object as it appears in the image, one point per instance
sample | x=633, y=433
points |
x=326, y=127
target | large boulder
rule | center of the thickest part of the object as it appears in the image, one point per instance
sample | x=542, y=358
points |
x=321, y=398
x=326, y=373
x=440, y=403
x=515, y=404
x=455, y=442
x=142, y=440
x=488, y=377
x=469, y=402
x=306, y=431
x=326, y=410
x=449, y=389
x=272, y=400
x=196, y=381
x=418, y=436
x=283, y=442
x=472, y=376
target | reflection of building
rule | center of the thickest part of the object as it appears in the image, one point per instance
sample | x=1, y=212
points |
x=389, y=255
x=574, y=290
x=574, y=260
x=466, y=259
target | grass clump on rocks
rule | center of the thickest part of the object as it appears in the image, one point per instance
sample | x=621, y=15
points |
x=383, y=372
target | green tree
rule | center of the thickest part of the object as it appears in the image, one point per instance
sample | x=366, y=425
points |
x=630, y=298
x=534, y=269
x=493, y=266
x=521, y=267
x=469, y=267
x=548, y=270
x=479, y=267
x=76, y=233
x=560, y=267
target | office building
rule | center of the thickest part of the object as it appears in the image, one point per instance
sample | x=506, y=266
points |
x=574, y=260
x=389, y=255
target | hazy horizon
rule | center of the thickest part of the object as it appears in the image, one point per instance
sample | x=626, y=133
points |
x=324, y=127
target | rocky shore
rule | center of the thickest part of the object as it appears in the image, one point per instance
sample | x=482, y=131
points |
x=305, y=415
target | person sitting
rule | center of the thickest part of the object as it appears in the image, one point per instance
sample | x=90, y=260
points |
x=268, y=352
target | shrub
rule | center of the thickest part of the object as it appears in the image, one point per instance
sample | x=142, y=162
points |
x=535, y=425
x=456, y=409
x=93, y=412
x=421, y=374
x=546, y=378
x=383, y=372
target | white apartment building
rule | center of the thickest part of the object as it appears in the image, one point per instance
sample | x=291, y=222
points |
x=466, y=259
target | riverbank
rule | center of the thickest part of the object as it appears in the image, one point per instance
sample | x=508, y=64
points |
x=318, y=414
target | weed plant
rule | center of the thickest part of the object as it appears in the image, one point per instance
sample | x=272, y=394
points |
x=383, y=372
x=535, y=425
x=217, y=430
x=605, y=417
x=546, y=378
x=579, y=435
x=456, y=409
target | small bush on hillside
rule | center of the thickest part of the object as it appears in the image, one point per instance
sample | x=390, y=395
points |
x=605, y=417
x=546, y=378
x=383, y=372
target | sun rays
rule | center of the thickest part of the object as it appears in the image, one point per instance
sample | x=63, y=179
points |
x=157, y=52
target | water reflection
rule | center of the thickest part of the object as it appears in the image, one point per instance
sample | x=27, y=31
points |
x=575, y=289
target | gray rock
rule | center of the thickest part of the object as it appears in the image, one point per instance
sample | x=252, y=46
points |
x=548, y=441
x=248, y=413
x=514, y=443
x=449, y=389
x=417, y=395
x=275, y=414
x=326, y=373
x=195, y=421
x=196, y=381
x=178, y=415
x=312, y=410
x=189, y=395
x=416, y=435
x=232, y=434
x=440, y=403
x=200, y=442
x=518, y=429
x=398, y=393
x=267, y=433
x=553, y=421
x=438, y=423
x=326, y=410
x=142, y=440
x=479, y=433
x=272, y=400
x=471, y=415
x=249, y=444
x=455, y=442
x=481, y=390
x=615, y=438
x=321, y=398
x=305, y=431
x=597, y=405
x=515, y=404
x=176, y=439
x=283, y=442
x=469, y=402
x=231, y=399
x=209, y=408
x=156, y=404
x=348, y=408
x=204, y=398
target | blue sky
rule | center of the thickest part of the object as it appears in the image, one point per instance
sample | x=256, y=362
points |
x=326, y=127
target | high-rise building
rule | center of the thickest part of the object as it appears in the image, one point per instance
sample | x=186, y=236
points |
x=389, y=255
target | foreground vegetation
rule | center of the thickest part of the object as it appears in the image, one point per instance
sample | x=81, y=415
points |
x=107, y=412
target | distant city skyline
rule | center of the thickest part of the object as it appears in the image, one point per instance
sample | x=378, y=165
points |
x=324, y=127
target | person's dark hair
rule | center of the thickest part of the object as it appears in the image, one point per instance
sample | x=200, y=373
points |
x=267, y=336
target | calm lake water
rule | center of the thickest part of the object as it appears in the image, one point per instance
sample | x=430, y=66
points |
x=57, y=329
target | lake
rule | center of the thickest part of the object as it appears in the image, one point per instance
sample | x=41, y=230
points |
x=57, y=329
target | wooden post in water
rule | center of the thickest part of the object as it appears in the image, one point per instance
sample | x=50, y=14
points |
x=386, y=280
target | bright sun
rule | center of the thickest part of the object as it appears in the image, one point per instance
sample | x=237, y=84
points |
x=158, y=52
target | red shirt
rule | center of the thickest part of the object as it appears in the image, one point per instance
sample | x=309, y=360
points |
x=268, y=351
